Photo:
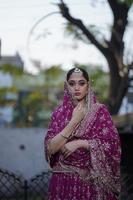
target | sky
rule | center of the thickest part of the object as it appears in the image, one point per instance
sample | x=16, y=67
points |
x=47, y=41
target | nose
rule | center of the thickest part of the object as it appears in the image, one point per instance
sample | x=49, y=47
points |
x=76, y=86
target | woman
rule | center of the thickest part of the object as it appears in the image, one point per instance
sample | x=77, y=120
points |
x=82, y=145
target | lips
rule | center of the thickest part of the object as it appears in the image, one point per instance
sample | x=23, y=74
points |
x=77, y=93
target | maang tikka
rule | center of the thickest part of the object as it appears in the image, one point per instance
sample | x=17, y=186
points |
x=77, y=70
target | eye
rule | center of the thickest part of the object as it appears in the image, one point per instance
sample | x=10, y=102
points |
x=71, y=83
x=82, y=83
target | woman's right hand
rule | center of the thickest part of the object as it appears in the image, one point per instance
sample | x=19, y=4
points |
x=78, y=113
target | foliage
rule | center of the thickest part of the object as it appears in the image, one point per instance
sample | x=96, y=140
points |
x=27, y=108
x=13, y=70
x=33, y=105
x=8, y=96
x=52, y=73
x=128, y=2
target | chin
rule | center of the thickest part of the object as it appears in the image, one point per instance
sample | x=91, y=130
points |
x=80, y=98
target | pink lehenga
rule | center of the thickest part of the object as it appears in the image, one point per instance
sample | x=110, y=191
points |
x=92, y=174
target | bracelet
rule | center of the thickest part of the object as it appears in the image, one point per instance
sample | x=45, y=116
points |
x=64, y=136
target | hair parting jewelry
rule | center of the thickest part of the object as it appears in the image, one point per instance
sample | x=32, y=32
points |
x=77, y=70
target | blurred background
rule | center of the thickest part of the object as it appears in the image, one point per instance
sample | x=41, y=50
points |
x=40, y=40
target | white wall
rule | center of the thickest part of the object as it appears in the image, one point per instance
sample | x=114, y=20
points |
x=27, y=162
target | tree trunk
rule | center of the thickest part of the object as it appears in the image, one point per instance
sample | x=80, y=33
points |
x=118, y=86
x=118, y=74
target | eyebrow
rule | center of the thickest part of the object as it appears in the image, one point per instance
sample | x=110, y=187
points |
x=77, y=81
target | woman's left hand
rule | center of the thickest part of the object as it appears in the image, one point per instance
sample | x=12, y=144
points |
x=72, y=146
x=69, y=148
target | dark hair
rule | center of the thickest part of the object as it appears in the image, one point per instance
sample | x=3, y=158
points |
x=84, y=72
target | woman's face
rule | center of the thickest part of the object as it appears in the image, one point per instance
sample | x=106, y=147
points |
x=78, y=86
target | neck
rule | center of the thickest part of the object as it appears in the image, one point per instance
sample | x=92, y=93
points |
x=79, y=101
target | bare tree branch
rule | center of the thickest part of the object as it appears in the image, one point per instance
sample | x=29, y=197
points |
x=77, y=22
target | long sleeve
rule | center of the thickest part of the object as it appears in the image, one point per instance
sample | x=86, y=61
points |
x=53, y=129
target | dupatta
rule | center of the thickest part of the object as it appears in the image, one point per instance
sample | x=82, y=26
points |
x=101, y=163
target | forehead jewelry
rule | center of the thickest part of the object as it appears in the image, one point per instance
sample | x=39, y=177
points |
x=77, y=70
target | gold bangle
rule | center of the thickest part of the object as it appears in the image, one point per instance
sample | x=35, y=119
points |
x=64, y=137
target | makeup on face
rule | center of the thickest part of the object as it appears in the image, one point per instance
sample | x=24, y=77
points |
x=73, y=83
x=78, y=86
